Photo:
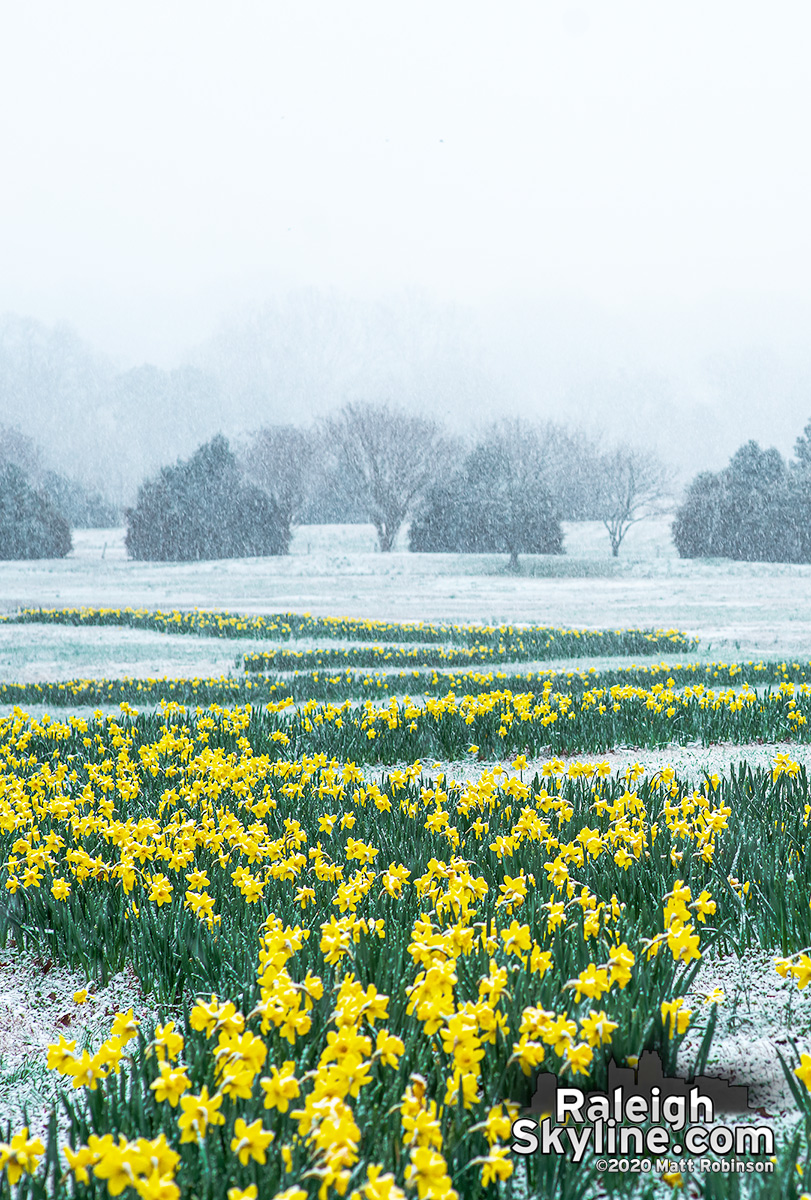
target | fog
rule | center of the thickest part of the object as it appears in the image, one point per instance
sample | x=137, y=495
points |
x=217, y=218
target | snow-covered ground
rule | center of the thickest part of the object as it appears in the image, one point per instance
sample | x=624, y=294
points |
x=739, y=610
x=582, y=539
x=760, y=1018
x=36, y=1008
x=36, y=653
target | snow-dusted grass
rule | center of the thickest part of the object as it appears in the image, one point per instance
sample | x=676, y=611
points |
x=52, y=652
x=582, y=539
x=693, y=762
x=761, y=1018
x=740, y=610
x=36, y=1009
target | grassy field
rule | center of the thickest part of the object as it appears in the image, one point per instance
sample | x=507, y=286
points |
x=359, y=928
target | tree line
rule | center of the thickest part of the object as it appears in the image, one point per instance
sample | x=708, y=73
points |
x=506, y=491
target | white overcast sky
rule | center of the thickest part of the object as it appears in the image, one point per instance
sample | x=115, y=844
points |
x=630, y=174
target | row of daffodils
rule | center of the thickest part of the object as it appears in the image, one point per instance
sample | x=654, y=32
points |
x=526, y=642
x=353, y=684
x=499, y=723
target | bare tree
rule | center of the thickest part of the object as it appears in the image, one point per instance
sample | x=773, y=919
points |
x=389, y=459
x=280, y=460
x=569, y=456
x=631, y=485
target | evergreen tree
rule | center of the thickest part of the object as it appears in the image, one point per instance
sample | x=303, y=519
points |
x=497, y=503
x=202, y=509
x=749, y=511
x=30, y=526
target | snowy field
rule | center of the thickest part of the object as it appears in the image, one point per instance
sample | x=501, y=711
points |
x=739, y=610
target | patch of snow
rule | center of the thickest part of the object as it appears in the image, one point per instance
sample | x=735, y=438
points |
x=36, y=1008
